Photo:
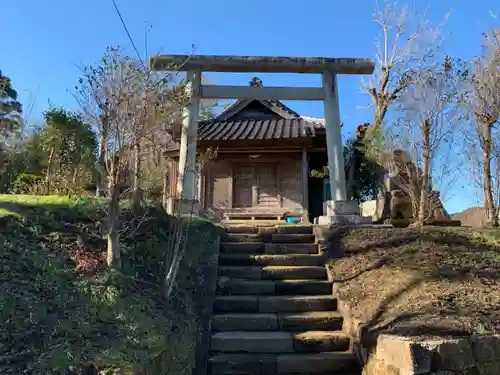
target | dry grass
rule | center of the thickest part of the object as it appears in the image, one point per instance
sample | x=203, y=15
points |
x=433, y=282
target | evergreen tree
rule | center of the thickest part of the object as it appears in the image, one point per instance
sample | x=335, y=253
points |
x=10, y=108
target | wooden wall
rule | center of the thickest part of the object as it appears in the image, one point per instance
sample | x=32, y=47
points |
x=291, y=183
x=173, y=171
x=218, y=182
x=219, y=185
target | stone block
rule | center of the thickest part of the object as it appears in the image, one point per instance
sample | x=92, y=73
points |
x=368, y=208
x=249, y=273
x=343, y=220
x=297, y=303
x=376, y=366
x=320, y=341
x=292, y=238
x=244, y=322
x=294, y=229
x=291, y=248
x=243, y=364
x=243, y=237
x=252, y=342
x=293, y=273
x=184, y=206
x=317, y=363
x=316, y=320
x=236, y=304
x=490, y=368
x=241, y=229
x=486, y=348
x=451, y=354
x=246, y=287
x=333, y=208
x=271, y=260
x=242, y=247
x=409, y=357
x=302, y=287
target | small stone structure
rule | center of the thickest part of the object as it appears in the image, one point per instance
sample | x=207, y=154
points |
x=403, y=175
x=396, y=355
x=396, y=204
x=400, y=174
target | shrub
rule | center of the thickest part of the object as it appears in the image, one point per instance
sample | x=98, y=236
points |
x=25, y=183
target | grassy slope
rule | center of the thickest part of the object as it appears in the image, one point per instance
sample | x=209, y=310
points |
x=60, y=308
x=436, y=283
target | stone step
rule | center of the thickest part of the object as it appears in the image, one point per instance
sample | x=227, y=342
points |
x=228, y=286
x=241, y=229
x=292, y=238
x=311, y=320
x=271, y=260
x=269, y=364
x=267, y=248
x=274, y=304
x=278, y=342
x=290, y=248
x=284, y=229
x=242, y=248
x=318, y=320
x=245, y=237
x=294, y=229
x=274, y=272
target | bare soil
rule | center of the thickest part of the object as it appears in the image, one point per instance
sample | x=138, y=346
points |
x=430, y=282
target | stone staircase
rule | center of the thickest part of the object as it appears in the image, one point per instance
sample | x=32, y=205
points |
x=274, y=311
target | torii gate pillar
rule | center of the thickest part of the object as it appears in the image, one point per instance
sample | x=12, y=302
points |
x=186, y=190
x=338, y=207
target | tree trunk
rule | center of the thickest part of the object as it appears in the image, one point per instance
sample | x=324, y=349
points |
x=136, y=193
x=113, y=252
x=172, y=267
x=380, y=112
x=424, y=186
x=166, y=186
x=48, y=173
x=489, y=203
x=351, y=177
x=101, y=179
x=74, y=178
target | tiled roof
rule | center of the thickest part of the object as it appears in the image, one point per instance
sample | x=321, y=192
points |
x=258, y=129
x=274, y=105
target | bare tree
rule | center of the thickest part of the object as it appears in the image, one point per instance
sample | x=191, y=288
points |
x=484, y=101
x=128, y=105
x=407, y=42
x=424, y=134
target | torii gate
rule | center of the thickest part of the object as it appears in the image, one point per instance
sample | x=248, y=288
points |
x=329, y=68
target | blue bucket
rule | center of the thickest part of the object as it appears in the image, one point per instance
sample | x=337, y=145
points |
x=292, y=220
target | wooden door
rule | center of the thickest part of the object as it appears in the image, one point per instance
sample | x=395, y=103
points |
x=243, y=183
x=267, y=184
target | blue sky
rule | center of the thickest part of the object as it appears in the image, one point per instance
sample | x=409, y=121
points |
x=48, y=40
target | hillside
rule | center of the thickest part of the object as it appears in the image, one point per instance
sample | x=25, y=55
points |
x=435, y=282
x=63, y=313
x=472, y=217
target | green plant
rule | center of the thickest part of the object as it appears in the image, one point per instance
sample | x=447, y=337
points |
x=25, y=182
x=64, y=313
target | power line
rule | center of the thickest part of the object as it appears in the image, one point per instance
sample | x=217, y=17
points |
x=128, y=33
